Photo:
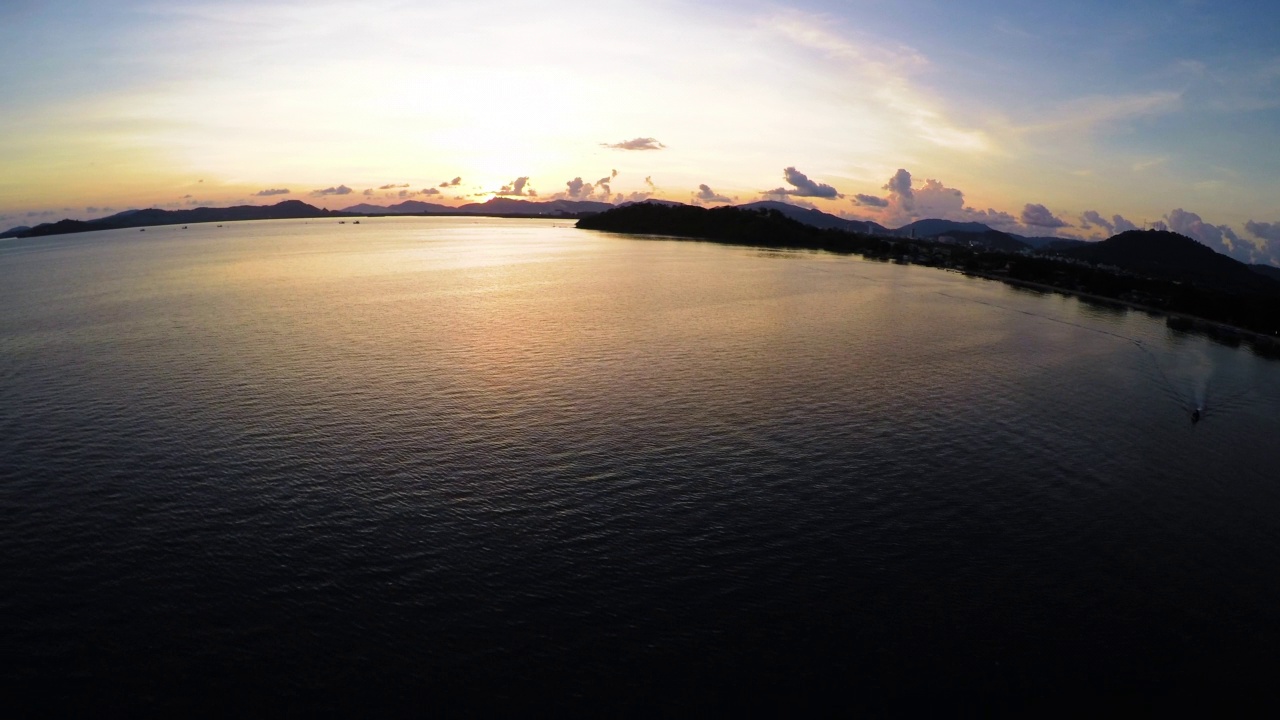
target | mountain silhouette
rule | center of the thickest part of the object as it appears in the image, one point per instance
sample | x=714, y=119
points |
x=817, y=218
x=287, y=210
x=1170, y=256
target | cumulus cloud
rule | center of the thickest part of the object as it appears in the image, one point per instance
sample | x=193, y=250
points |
x=577, y=189
x=899, y=187
x=1091, y=217
x=870, y=200
x=1038, y=216
x=368, y=192
x=706, y=195
x=1219, y=237
x=517, y=187
x=1269, y=234
x=802, y=186
x=272, y=191
x=339, y=190
x=640, y=195
x=990, y=217
x=640, y=143
x=905, y=203
x=430, y=191
x=1264, y=230
x=1122, y=225
x=392, y=186
x=452, y=183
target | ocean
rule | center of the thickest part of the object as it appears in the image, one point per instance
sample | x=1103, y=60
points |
x=425, y=465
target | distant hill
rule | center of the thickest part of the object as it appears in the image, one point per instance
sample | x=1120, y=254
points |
x=817, y=218
x=768, y=228
x=14, y=232
x=933, y=227
x=408, y=207
x=1170, y=256
x=964, y=233
x=289, y=209
x=493, y=206
x=512, y=206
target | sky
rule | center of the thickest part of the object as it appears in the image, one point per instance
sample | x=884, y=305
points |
x=1075, y=119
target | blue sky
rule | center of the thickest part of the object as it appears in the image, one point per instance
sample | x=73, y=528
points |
x=1033, y=117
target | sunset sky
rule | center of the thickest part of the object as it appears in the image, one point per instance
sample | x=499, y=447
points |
x=1034, y=117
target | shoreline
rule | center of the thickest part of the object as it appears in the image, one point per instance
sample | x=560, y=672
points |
x=1217, y=331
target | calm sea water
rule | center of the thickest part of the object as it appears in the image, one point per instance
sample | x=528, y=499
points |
x=425, y=464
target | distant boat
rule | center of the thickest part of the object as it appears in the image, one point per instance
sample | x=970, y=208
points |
x=356, y=222
x=142, y=229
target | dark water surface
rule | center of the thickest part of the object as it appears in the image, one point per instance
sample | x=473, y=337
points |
x=434, y=463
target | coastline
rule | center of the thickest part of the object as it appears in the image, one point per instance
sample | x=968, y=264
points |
x=1265, y=345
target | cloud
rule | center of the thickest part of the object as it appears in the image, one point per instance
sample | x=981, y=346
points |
x=392, y=186
x=517, y=188
x=641, y=195
x=429, y=191
x=452, y=183
x=577, y=189
x=1122, y=225
x=340, y=190
x=1091, y=217
x=803, y=186
x=706, y=195
x=90, y=209
x=1264, y=230
x=368, y=192
x=186, y=197
x=406, y=193
x=272, y=191
x=1038, y=216
x=1269, y=234
x=899, y=187
x=933, y=199
x=640, y=143
x=1219, y=237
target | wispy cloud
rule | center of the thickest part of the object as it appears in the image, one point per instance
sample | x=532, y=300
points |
x=339, y=190
x=885, y=72
x=1086, y=113
x=640, y=143
x=272, y=191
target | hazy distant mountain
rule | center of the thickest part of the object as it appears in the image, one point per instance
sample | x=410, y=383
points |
x=408, y=207
x=289, y=209
x=817, y=218
x=14, y=232
x=511, y=206
x=1171, y=256
x=933, y=227
x=653, y=201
